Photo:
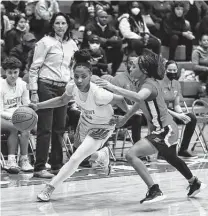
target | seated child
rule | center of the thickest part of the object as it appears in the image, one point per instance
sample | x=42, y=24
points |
x=14, y=94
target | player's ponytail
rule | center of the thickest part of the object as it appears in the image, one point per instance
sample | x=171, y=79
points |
x=152, y=64
x=82, y=58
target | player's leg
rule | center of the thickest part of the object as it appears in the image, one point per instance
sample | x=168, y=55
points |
x=101, y=158
x=168, y=150
x=24, y=161
x=12, y=144
x=144, y=148
x=88, y=146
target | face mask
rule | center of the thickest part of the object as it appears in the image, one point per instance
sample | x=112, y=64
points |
x=94, y=46
x=172, y=76
x=135, y=11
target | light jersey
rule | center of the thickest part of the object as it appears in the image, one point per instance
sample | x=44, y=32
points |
x=13, y=97
x=154, y=108
x=94, y=105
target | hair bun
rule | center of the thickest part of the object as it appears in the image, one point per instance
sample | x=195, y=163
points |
x=82, y=56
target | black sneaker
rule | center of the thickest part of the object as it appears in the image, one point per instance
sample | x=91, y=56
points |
x=186, y=155
x=194, y=187
x=154, y=194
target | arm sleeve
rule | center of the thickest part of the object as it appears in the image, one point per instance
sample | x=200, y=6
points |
x=103, y=97
x=124, y=27
x=25, y=95
x=40, y=53
x=69, y=88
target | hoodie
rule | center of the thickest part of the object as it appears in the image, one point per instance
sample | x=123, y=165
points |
x=200, y=59
x=129, y=29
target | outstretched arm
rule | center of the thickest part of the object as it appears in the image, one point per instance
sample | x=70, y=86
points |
x=52, y=103
x=143, y=94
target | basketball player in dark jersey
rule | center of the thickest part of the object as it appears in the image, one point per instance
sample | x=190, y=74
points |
x=163, y=131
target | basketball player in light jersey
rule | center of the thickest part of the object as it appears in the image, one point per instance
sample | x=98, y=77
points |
x=94, y=126
x=163, y=131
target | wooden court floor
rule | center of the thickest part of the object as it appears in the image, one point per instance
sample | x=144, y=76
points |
x=114, y=196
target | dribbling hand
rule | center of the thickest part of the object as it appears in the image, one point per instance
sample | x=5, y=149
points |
x=34, y=106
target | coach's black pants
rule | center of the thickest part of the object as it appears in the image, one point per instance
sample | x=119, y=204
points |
x=50, y=129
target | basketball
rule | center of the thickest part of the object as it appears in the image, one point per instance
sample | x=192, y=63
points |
x=24, y=119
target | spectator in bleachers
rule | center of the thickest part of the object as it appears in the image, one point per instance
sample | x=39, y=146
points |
x=194, y=13
x=99, y=61
x=15, y=35
x=21, y=51
x=124, y=80
x=133, y=28
x=83, y=12
x=203, y=26
x=44, y=10
x=14, y=94
x=48, y=76
x=172, y=96
x=14, y=8
x=5, y=24
x=200, y=59
x=110, y=41
x=5, y=27
x=177, y=31
x=159, y=11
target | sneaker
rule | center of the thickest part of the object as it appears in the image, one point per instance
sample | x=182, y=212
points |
x=45, y=194
x=43, y=174
x=195, y=187
x=186, y=154
x=12, y=166
x=101, y=160
x=154, y=194
x=25, y=165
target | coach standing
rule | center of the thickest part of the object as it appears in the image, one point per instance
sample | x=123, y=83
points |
x=48, y=76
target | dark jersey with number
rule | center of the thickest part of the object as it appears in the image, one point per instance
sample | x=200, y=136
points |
x=154, y=107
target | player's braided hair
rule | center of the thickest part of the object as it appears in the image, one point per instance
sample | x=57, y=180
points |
x=152, y=64
x=82, y=58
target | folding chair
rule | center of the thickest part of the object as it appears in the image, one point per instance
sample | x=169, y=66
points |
x=67, y=144
x=200, y=110
x=115, y=141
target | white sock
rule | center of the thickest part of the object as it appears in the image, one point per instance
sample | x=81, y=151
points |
x=11, y=157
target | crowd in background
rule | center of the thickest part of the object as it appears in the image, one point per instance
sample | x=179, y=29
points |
x=112, y=31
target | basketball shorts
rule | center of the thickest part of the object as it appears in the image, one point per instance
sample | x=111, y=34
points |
x=96, y=131
x=167, y=137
